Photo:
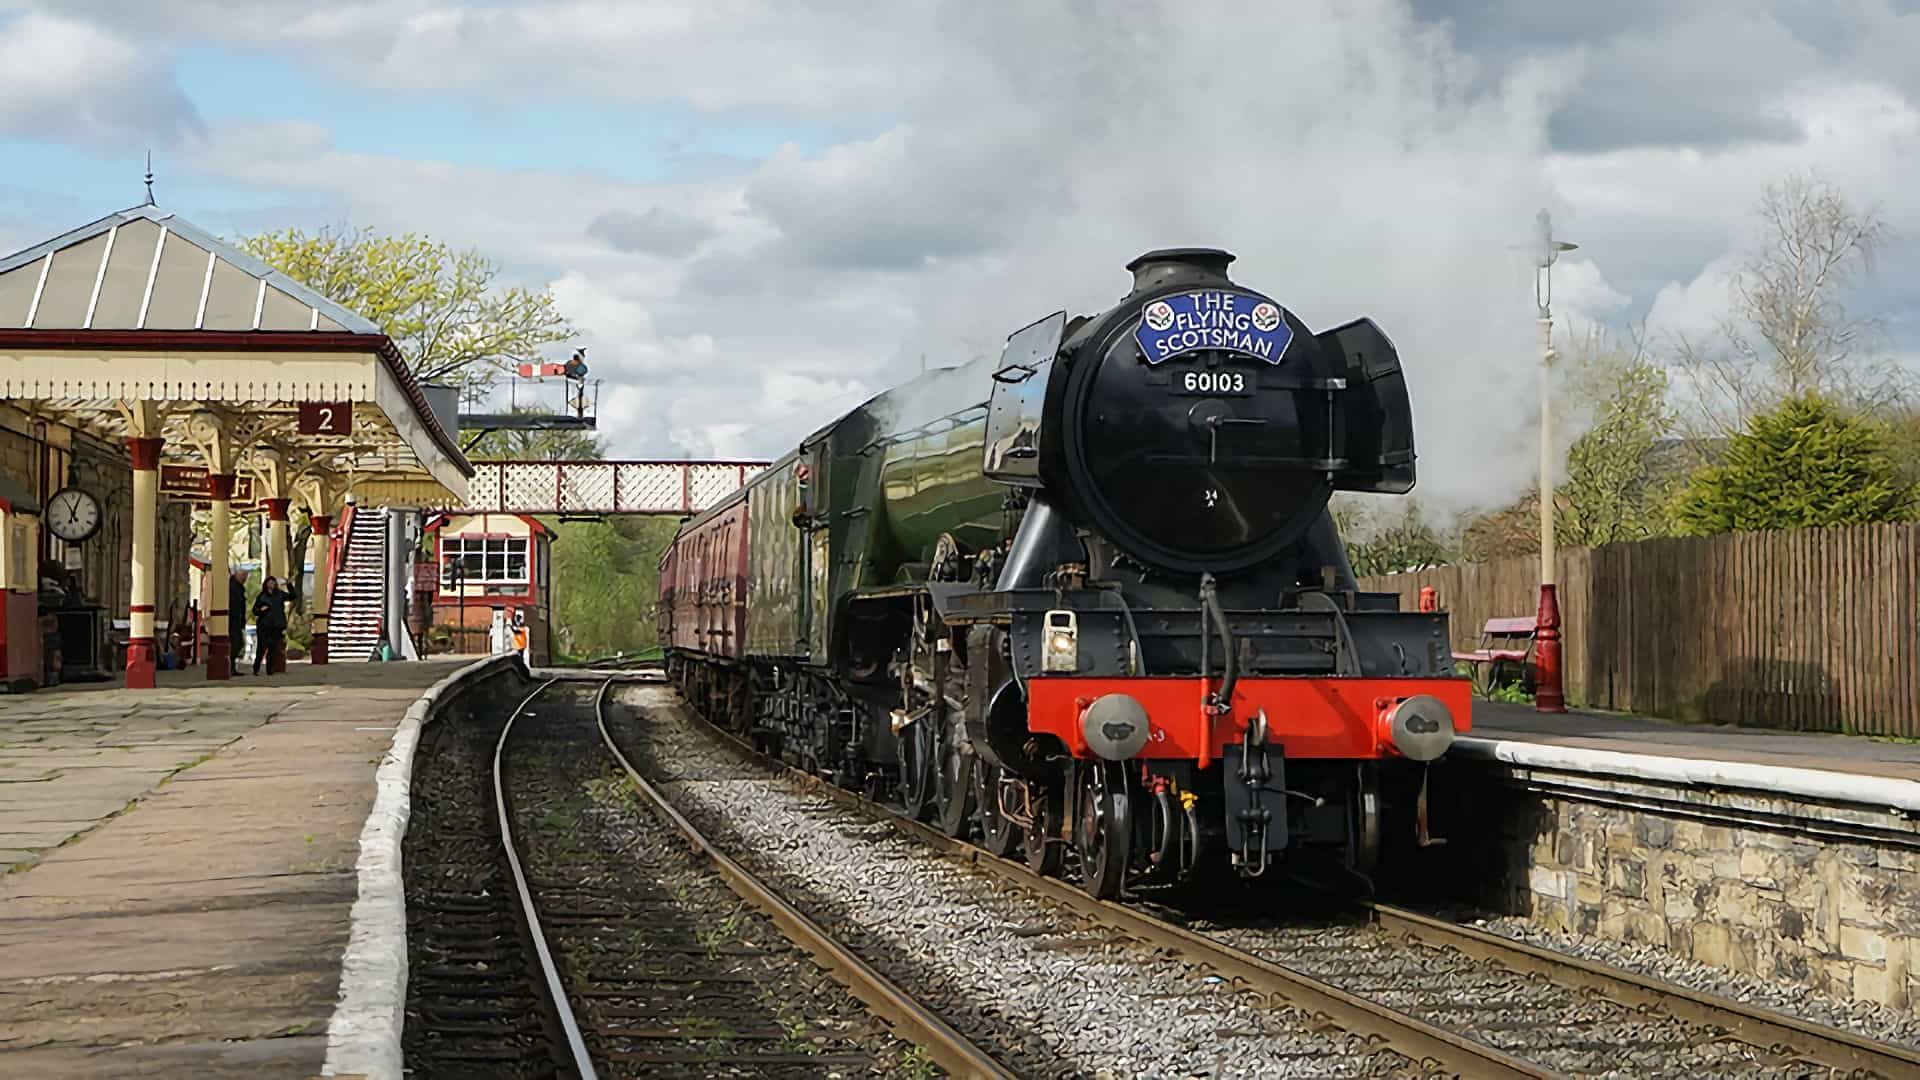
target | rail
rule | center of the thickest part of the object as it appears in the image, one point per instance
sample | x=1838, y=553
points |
x=556, y=987
x=947, y=1048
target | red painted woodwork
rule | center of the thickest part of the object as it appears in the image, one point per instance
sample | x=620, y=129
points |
x=20, y=653
x=145, y=453
x=142, y=662
x=1308, y=717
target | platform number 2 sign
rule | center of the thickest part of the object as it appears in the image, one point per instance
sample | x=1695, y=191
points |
x=326, y=417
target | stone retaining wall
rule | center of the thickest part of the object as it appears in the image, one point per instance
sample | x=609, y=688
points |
x=1826, y=895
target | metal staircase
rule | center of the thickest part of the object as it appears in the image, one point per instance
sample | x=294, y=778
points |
x=356, y=612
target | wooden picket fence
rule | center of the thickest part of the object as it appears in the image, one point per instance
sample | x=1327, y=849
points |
x=1808, y=630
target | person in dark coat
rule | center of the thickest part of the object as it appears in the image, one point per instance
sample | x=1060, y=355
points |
x=270, y=624
x=237, y=617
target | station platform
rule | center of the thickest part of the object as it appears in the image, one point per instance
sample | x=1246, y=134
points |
x=1791, y=763
x=179, y=866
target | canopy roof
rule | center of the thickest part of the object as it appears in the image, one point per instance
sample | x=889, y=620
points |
x=144, y=306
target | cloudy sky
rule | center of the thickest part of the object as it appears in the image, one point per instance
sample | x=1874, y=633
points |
x=760, y=213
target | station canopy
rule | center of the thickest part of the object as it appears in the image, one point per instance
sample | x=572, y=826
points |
x=144, y=307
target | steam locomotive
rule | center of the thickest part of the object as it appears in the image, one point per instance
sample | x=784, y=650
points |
x=1088, y=600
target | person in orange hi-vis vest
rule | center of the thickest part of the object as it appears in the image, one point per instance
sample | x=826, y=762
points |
x=521, y=637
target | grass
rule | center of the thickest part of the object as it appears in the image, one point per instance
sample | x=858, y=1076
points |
x=1511, y=693
x=651, y=652
x=712, y=936
x=611, y=790
x=918, y=1063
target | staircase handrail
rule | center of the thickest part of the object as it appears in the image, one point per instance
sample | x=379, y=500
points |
x=337, y=553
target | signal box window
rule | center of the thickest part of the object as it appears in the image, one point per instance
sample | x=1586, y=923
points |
x=491, y=560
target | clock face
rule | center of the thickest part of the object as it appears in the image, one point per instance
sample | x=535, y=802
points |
x=73, y=515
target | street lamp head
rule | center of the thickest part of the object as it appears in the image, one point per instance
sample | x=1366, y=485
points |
x=1546, y=246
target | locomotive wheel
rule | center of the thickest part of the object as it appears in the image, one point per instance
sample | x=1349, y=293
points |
x=953, y=782
x=919, y=750
x=1103, y=829
x=1363, y=820
x=997, y=834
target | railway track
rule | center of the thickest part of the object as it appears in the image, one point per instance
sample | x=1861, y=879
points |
x=476, y=1001
x=1447, y=998
x=658, y=959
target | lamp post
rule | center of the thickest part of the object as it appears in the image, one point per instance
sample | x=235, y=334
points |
x=1548, y=696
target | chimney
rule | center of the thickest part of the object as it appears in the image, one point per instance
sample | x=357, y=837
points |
x=1181, y=266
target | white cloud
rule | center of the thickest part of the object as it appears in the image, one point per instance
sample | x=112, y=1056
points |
x=715, y=54
x=1694, y=310
x=74, y=82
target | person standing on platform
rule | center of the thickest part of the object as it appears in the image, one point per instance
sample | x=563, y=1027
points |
x=521, y=637
x=237, y=617
x=270, y=625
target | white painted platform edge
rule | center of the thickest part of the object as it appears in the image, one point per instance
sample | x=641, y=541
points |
x=1824, y=784
x=363, y=1036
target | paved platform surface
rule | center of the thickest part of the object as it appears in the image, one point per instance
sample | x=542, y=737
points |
x=1754, y=746
x=179, y=867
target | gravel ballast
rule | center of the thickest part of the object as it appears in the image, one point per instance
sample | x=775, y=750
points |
x=1865, y=1017
x=1050, y=994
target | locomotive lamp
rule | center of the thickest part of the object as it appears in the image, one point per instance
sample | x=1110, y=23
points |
x=1063, y=642
x=1547, y=694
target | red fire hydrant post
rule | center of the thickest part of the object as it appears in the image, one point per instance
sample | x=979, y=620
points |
x=1547, y=694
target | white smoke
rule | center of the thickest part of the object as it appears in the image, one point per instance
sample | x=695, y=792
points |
x=1342, y=151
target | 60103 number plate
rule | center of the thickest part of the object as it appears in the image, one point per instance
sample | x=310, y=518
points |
x=1216, y=383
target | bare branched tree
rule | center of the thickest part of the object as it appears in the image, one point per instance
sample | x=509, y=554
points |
x=1790, y=331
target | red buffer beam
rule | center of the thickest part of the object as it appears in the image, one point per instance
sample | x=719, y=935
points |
x=604, y=487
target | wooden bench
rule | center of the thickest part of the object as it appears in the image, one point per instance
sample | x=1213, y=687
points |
x=1502, y=641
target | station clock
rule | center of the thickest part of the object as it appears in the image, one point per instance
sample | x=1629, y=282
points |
x=73, y=515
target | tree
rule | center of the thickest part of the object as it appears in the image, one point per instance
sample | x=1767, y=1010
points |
x=1789, y=332
x=1381, y=541
x=1807, y=463
x=606, y=579
x=1609, y=495
x=440, y=306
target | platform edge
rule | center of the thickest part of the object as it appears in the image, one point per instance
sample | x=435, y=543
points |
x=363, y=1035
x=1881, y=792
